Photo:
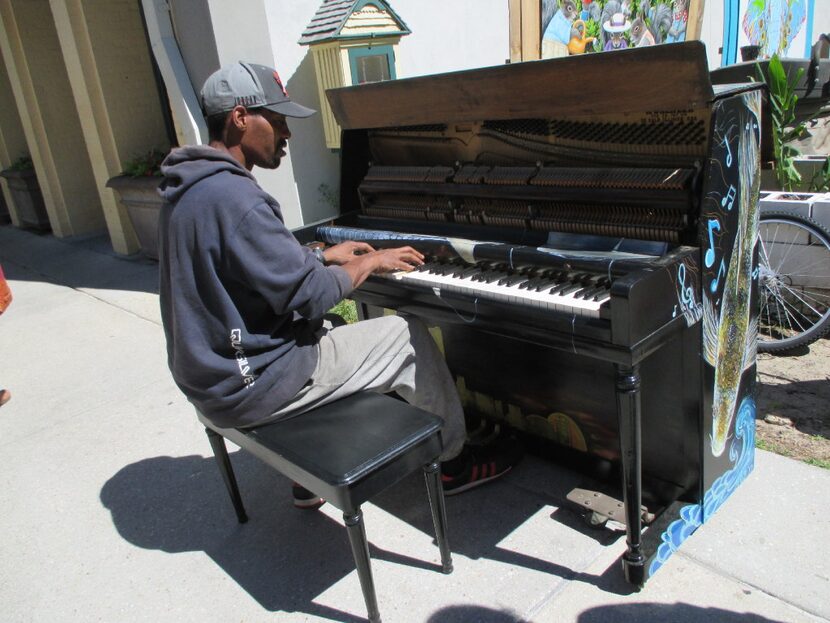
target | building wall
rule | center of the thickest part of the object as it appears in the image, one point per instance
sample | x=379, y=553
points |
x=452, y=36
x=125, y=73
x=196, y=38
x=61, y=160
x=12, y=139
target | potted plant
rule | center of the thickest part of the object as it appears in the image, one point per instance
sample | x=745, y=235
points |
x=26, y=195
x=136, y=188
x=792, y=170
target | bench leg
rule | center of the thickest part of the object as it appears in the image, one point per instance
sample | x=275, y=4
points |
x=432, y=475
x=360, y=551
x=217, y=442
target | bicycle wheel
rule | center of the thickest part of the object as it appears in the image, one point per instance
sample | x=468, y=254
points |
x=794, y=281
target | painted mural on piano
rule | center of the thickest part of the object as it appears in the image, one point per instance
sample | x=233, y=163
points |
x=730, y=213
x=729, y=225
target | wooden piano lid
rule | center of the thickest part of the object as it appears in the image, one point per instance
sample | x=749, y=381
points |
x=670, y=77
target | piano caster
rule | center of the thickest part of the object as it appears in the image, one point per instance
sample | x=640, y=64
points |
x=634, y=570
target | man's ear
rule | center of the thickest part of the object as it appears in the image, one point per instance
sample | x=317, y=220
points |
x=239, y=118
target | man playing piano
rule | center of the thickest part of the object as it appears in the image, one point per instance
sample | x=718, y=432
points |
x=242, y=301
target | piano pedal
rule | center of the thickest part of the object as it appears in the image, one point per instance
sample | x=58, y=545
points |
x=604, y=511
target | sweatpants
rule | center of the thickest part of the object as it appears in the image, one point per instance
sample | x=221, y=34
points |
x=391, y=353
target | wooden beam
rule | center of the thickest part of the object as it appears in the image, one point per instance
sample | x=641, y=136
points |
x=515, y=11
x=531, y=30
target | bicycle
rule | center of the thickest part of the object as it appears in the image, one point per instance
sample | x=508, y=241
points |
x=794, y=281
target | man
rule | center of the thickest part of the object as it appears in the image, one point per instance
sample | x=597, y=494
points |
x=242, y=300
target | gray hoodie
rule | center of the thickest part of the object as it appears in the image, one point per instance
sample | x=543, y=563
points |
x=239, y=295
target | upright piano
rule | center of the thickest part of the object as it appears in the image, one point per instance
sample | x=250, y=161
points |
x=589, y=225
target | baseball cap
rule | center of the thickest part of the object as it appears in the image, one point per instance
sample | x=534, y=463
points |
x=249, y=85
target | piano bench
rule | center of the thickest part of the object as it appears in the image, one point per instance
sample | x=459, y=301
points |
x=346, y=452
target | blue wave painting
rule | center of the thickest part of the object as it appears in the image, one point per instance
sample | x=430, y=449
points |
x=742, y=454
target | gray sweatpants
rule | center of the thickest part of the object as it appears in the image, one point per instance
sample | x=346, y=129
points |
x=392, y=353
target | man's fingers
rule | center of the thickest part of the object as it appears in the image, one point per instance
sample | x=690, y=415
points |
x=362, y=247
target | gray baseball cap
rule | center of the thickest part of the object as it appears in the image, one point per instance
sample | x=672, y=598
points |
x=249, y=85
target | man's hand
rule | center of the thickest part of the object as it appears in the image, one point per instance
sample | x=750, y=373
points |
x=382, y=261
x=345, y=252
x=401, y=258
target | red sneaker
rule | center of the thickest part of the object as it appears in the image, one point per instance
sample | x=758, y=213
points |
x=484, y=464
x=305, y=499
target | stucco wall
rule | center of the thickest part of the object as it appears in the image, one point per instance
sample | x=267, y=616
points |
x=126, y=75
x=451, y=36
x=75, y=196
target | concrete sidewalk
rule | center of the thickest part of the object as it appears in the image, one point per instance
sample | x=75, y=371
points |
x=113, y=510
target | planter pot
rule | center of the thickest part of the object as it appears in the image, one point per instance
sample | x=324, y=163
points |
x=140, y=198
x=820, y=210
x=28, y=200
x=800, y=203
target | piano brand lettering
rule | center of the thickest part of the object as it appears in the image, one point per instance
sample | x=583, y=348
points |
x=241, y=359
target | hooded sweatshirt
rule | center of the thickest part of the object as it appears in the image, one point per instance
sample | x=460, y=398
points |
x=238, y=293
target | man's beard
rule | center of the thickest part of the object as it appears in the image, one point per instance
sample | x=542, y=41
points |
x=279, y=153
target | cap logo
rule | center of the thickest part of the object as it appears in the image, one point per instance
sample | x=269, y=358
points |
x=279, y=83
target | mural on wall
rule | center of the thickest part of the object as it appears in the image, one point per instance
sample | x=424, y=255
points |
x=772, y=25
x=582, y=26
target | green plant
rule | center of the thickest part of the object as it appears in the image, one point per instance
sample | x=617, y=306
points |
x=784, y=129
x=146, y=165
x=821, y=179
x=346, y=309
x=818, y=463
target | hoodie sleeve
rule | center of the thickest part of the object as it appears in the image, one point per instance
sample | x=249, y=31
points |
x=269, y=260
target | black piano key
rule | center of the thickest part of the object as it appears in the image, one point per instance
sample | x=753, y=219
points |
x=515, y=280
x=588, y=292
x=545, y=284
x=558, y=288
x=469, y=271
x=573, y=287
x=492, y=276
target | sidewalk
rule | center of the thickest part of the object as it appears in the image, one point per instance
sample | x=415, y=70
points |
x=113, y=509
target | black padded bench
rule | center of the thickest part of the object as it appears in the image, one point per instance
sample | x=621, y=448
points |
x=347, y=452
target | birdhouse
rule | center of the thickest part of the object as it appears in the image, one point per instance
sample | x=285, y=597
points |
x=352, y=42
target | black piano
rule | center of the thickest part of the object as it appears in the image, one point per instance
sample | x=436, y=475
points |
x=589, y=225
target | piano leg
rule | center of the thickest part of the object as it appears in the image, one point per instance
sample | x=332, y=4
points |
x=628, y=413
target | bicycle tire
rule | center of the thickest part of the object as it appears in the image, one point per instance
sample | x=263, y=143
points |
x=794, y=281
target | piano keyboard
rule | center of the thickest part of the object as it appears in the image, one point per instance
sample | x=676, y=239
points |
x=579, y=293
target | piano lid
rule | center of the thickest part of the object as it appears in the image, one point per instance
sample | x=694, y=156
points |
x=673, y=77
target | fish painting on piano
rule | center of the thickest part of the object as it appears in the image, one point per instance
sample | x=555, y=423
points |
x=729, y=337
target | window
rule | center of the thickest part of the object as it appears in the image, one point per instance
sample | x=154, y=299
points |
x=374, y=64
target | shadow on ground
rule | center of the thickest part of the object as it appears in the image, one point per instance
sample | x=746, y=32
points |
x=75, y=262
x=180, y=505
